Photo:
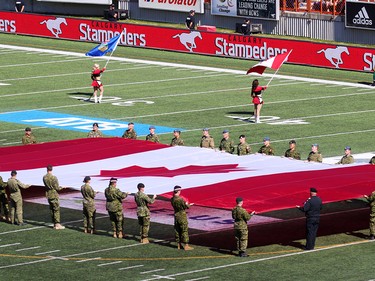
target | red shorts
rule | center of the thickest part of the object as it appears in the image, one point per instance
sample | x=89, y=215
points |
x=96, y=83
x=257, y=100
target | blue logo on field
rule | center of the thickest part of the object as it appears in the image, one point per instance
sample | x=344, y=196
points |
x=76, y=123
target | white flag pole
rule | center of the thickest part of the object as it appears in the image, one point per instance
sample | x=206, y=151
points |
x=113, y=50
x=279, y=68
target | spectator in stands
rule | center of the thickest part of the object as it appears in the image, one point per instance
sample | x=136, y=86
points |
x=112, y=14
x=245, y=27
x=20, y=7
x=347, y=158
x=190, y=20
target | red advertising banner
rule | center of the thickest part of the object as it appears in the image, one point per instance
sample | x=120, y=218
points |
x=199, y=42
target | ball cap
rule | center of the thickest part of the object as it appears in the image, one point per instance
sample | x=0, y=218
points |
x=86, y=179
x=292, y=141
x=28, y=129
x=225, y=131
x=151, y=127
x=113, y=180
x=348, y=148
x=266, y=139
x=192, y=11
x=239, y=199
x=313, y=189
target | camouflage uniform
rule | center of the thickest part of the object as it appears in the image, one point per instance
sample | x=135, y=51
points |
x=180, y=219
x=114, y=198
x=226, y=145
x=177, y=142
x=346, y=159
x=130, y=134
x=243, y=149
x=372, y=161
x=95, y=134
x=267, y=150
x=241, y=217
x=143, y=212
x=207, y=142
x=89, y=211
x=16, y=204
x=153, y=138
x=4, y=199
x=293, y=153
x=51, y=185
x=371, y=200
x=28, y=139
x=315, y=157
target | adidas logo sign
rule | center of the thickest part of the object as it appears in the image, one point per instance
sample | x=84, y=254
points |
x=362, y=17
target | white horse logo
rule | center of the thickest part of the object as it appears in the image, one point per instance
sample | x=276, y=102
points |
x=334, y=55
x=188, y=39
x=55, y=25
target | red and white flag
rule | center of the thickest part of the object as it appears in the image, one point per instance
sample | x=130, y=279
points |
x=274, y=63
x=208, y=178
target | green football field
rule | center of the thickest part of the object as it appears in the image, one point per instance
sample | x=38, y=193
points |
x=333, y=108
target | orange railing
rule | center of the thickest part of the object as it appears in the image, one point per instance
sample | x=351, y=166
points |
x=332, y=7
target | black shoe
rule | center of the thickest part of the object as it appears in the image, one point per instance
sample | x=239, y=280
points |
x=372, y=237
x=22, y=224
x=243, y=255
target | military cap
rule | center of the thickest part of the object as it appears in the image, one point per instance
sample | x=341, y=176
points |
x=113, y=180
x=206, y=129
x=13, y=173
x=151, y=127
x=177, y=188
x=225, y=131
x=242, y=136
x=348, y=148
x=239, y=199
x=313, y=189
x=95, y=124
x=28, y=129
x=315, y=144
x=177, y=131
x=266, y=139
x=130, y=123
x=292, y=141
x=86, y=179
x=140, y=185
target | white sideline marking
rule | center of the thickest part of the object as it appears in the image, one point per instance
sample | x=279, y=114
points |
x=85, y=260
x=49, y=252
x=150, y=271
x=109, y=263
x=38, y=63
x=26, y=249
x=130, y=267
x=200, y=278
x=259, y=260
x=20, y=230
x=9, y=245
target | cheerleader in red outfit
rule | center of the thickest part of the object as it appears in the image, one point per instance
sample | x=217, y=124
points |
x=96, y=83
x=256, y=94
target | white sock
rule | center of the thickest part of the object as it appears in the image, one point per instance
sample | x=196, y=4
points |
x=95, y=99
x=100, y=98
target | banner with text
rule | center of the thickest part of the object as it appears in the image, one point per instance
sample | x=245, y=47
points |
x=197, y=42
x=173, y=5
x=360, y=15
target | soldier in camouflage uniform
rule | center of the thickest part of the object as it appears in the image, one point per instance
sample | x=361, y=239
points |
x=266, y=148
x=226, y=143
x=95, y=132
x=16, y=204
x=371, y=200
x=51, y=185
x=4, y=201
x=292, y=151
x=241, y=217
x=89, y=211
x=207, y=141
x=347, y=158
x=114, y=198
x=177, y=141
x=243, y=148
x=130, y=132
x=314, y=155
x=179, y=205
x=372, y=160
x=152, y=136
x=28, y=137
x=143, y=211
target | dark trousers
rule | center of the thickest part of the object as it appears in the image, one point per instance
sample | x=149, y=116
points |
x=312, y=225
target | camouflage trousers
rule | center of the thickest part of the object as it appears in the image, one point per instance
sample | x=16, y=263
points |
x=241, y=239
x=89, y=214
x=4, y=204
x=54, y=207
x=117, y=221
x=144, y=226
x=372, y=223
x=16, y=209
x=181, y=230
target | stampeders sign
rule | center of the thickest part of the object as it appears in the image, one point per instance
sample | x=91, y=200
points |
x=197, y=42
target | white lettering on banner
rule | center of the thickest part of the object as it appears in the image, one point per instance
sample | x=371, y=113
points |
x=179, y=2
x=245, y=51
x=102, y=35
x=7, y=25
x=369, y=59
x=79, y=123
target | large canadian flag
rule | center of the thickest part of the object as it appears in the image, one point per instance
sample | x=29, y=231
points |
x=208, y=177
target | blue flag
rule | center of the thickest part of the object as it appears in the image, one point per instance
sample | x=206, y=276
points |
x=105, y=47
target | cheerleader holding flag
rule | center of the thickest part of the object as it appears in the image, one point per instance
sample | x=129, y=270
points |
x=256, y=90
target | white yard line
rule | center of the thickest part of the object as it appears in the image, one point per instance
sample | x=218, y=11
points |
x=131, y=267
x=150, y=271
x=48, y=252
x=109, y=263
x=86, y=260
x=9, y=245
x=21, y=230
x=27, y=249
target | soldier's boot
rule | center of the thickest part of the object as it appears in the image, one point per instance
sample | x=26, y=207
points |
x=179, y=246
x=92, y=231
x=145, y=241
x=120, y=236
x=114, y=234
x=59, y=226
x=85, y=230
x=8, y=219
x=188, y=248
x=3, y=218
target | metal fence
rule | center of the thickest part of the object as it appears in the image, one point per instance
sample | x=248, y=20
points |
x=332, y=7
